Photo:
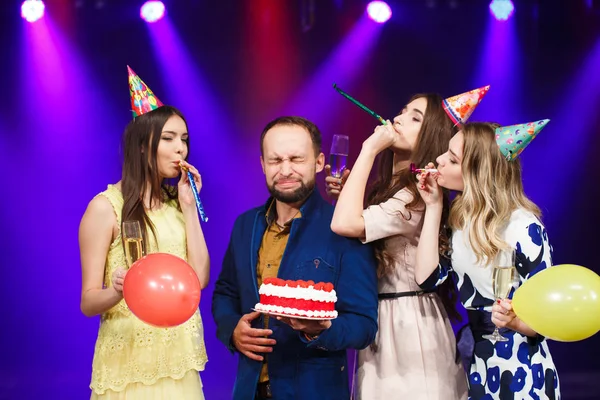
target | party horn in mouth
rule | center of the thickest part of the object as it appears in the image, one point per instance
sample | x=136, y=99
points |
x=358, y=103
x=199, y=206
x=415, y=170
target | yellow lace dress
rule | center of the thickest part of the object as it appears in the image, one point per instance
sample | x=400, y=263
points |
x=133, y=360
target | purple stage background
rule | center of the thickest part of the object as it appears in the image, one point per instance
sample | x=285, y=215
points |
x=232, y=66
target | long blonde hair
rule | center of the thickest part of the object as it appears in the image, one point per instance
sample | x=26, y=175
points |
x=493, y=189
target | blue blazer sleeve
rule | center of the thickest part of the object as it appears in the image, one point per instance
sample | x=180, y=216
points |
x=226, y=299
x=356, y=289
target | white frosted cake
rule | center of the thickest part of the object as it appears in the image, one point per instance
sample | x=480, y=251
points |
x=299, y=299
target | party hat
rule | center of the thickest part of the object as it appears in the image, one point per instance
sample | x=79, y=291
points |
x=460, y=107
x=514, y=138
x=143, y=99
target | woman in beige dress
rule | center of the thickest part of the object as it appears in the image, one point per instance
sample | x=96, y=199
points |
x=414, y=354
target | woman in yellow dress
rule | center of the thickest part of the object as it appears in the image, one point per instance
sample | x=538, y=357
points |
x=133, y=360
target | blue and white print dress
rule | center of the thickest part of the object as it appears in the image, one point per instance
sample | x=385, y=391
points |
x=521, y=368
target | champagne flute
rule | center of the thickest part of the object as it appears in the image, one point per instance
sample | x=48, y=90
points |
x=504, y=278
x=338, y=155
x=132, y=238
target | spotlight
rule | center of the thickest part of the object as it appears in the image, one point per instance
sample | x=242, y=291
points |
x=32, y=10
x=152, y=11
x=379, y=11
x=502, y=9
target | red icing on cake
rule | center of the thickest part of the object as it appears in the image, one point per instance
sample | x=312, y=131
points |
x=297, y=298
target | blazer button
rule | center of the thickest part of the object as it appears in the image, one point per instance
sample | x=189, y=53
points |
x=317, y=262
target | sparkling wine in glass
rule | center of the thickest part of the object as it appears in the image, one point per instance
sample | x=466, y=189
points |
x=504, y=278
x=338, y=155
x=132, y=238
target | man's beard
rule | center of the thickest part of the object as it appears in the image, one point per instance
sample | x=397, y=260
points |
x=296, y=196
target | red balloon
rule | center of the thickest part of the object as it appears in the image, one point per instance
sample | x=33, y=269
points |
x=162, y=290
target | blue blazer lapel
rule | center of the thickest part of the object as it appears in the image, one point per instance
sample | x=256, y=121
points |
x=258, y=231
x=290, y=248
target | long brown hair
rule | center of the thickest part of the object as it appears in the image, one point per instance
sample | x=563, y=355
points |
x=493, y=190
x=140, y=170
x=435, y=134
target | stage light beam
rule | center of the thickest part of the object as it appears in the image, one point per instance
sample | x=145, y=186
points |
x=379, y=11
x=32, y=10
x=502, y=9
x=152, y=11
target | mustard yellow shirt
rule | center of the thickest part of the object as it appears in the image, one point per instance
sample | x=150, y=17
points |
x=269, y=257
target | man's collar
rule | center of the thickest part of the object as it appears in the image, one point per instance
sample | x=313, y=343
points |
x=271, y=214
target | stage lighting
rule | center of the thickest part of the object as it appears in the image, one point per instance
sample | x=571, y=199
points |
x=502, y=9
x=593, y=5
x=379, y=11
x=152, y=11
x=32, y=10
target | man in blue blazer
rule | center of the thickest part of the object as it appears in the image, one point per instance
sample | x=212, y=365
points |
x=290, y=237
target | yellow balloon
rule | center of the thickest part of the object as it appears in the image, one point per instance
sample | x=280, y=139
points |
x=561, y=303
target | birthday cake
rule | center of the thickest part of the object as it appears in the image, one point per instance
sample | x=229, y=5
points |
x=299, y=299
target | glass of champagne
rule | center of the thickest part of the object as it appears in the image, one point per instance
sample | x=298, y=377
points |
x=504, y=278
x=338, y=155
x=132, y=237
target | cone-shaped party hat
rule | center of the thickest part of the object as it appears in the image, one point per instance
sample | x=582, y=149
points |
x=143, y=99
x=460, y=107
x=513, y=139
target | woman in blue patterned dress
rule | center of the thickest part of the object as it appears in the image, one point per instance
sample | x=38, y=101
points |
x=490, y=213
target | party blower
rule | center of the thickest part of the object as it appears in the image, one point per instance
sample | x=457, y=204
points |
x=359, y=104
x=199, y=206
x=415, y=170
